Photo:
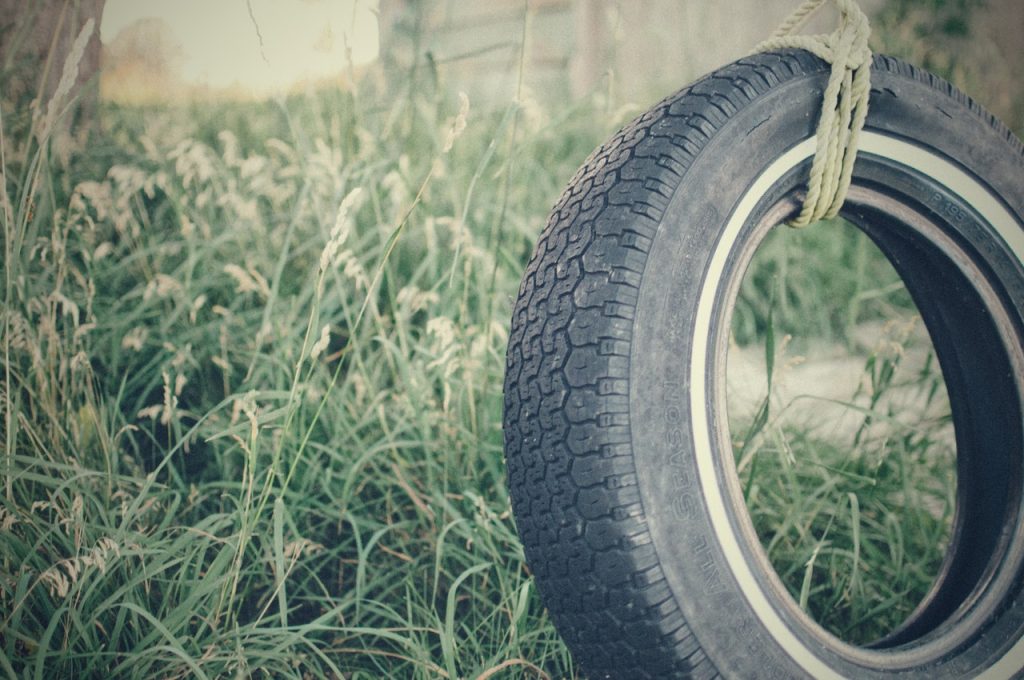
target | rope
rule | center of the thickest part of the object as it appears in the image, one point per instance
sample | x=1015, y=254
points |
x=844, y=107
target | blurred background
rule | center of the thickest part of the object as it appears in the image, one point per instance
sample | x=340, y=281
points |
x=630, y=51
x=636, y=49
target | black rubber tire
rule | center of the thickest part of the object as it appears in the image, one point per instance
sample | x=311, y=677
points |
x=619, y=463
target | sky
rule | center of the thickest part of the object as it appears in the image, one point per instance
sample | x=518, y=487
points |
x=221, y=46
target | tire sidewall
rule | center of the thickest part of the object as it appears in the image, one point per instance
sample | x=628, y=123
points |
x=677, y=270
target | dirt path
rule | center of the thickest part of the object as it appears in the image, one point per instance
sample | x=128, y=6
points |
x=827, y=388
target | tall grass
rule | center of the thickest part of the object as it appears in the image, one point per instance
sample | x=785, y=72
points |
x=852, y=494
x=252, y=363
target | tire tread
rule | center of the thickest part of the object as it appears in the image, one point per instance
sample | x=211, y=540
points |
x=571, y=474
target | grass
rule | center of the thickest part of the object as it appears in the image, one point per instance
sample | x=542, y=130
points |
x=784, y=286
x=252, y=391
x=851, y=494
x=252, y=362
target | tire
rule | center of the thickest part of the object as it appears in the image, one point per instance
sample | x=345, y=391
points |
x=620, y=469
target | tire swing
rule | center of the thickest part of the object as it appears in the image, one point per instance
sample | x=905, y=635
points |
x=620, y=465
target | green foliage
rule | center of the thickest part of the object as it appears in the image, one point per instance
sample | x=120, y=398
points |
x=922, y=31
x=794, y=268
x=852, y=495
x=252, y=360
x=955, y=40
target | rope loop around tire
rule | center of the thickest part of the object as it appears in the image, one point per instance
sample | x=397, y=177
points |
x=844, y=105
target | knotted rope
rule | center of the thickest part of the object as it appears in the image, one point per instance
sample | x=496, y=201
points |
x=844, y=106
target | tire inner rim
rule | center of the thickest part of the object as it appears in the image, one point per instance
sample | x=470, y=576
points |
x=953, y=244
